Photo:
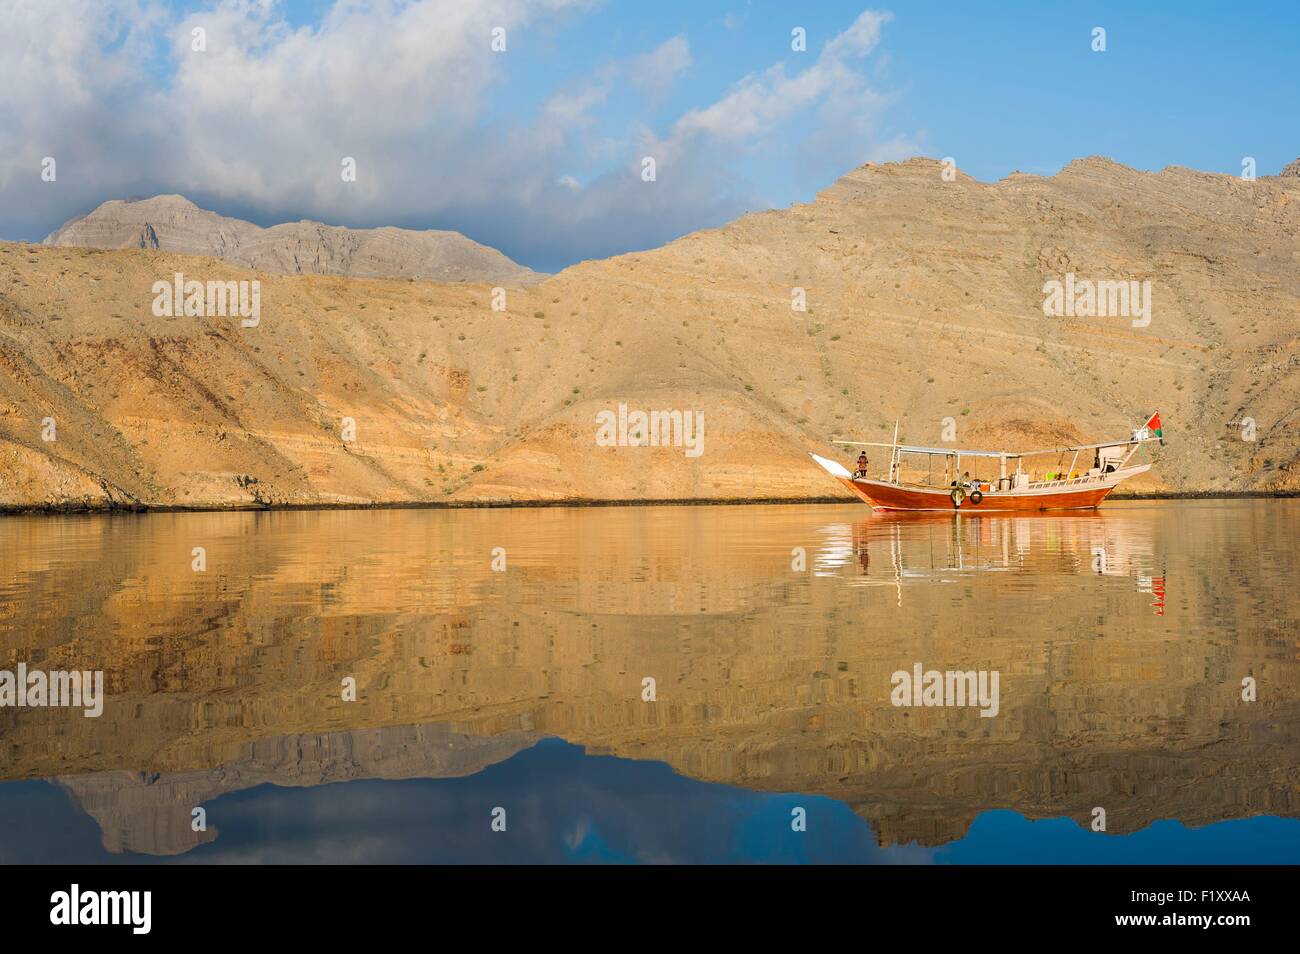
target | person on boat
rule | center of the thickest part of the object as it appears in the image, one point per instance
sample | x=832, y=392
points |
x=862, y=465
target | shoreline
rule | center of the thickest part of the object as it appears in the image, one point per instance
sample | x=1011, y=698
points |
x=144, y=509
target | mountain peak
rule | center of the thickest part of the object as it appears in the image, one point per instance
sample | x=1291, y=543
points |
x=169, y=200
x=172, y=223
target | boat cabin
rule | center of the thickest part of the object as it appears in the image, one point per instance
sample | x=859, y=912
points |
x=993, y=472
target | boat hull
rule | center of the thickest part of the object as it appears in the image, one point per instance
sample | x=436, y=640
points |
x=883, y=495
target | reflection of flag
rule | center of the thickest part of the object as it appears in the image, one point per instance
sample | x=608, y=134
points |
x=1153, y=425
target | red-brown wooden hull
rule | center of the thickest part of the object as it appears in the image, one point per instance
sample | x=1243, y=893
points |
x=883, y=496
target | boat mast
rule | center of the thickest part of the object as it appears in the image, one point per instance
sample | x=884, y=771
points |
x=893, y=456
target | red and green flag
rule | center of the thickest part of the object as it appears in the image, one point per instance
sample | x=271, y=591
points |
x=1153, y=425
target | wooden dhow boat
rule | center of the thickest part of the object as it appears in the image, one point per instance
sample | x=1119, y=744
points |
x=1014, y=488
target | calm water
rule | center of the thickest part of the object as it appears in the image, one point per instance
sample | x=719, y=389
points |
x=1120, y=641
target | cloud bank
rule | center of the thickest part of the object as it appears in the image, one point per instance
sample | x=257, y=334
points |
x=258, y=121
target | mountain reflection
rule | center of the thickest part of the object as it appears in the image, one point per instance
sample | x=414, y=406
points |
x=770, y=633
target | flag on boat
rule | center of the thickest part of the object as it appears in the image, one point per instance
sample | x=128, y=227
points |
x=1153, y=425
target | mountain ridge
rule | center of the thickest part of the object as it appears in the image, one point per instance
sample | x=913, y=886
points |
x=924, y=304
x=171, y=222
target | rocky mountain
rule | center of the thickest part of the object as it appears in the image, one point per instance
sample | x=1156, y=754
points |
x=924, y=305
x=173, y=223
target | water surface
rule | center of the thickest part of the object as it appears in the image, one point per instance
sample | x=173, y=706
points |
x=1121, y=639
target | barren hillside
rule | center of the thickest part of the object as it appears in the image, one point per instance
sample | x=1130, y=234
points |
x=924, y=302
x=172, y=223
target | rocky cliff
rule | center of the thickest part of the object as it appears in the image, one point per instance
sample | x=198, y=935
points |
x=924, y=304
x=172, y=223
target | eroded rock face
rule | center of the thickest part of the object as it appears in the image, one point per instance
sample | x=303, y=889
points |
x=924, y=306
x=173, y=223
x=1292, y=170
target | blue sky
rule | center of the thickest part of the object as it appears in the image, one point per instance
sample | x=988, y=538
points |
x=536, y=150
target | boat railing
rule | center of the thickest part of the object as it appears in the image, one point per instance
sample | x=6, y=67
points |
x=1068, y=482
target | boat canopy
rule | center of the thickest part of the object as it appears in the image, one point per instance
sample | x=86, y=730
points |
x=1010, y=455
x=938, y=451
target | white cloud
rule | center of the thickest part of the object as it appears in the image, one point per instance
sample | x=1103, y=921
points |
x=70, y=88
x=757, y=104
x=656, y=72
x=257, y=124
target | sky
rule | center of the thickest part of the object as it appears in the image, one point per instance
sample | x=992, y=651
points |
x=539, y=149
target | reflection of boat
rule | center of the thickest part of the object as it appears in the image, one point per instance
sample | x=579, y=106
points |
x=899, y=548
x=1064, y=489
x=924, y=544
